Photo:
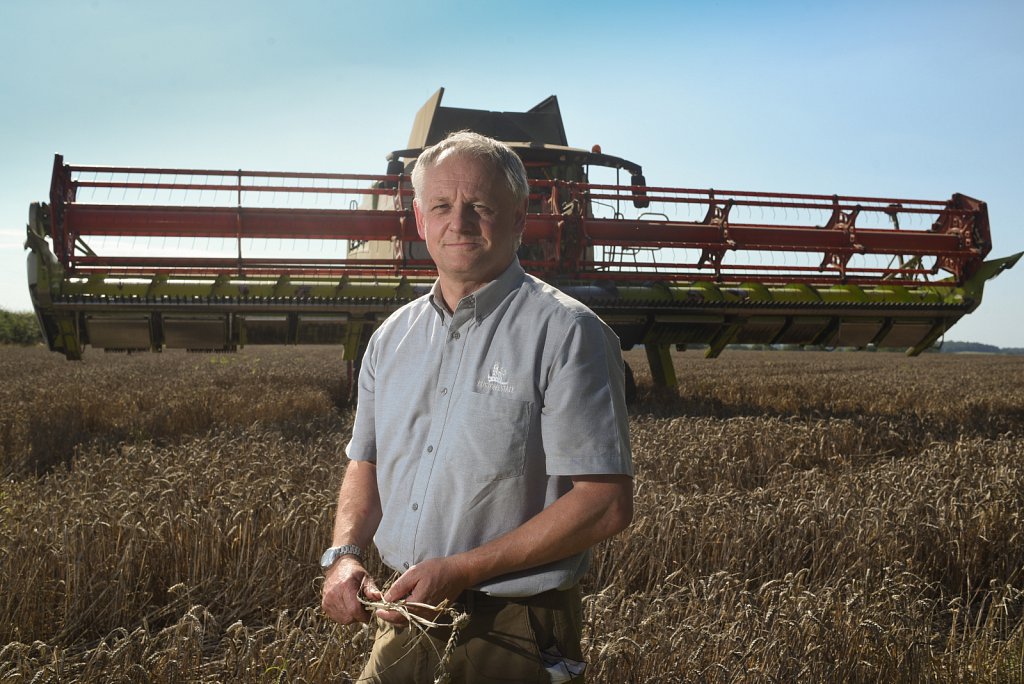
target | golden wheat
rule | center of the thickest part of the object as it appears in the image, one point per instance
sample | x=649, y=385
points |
x=799, y=517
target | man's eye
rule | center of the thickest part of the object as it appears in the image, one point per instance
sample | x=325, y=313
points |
x=439, y=207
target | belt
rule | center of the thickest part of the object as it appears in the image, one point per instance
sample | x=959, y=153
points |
x=553, y=598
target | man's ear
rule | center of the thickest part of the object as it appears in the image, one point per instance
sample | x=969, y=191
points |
x=521, y=217
x=419, y=218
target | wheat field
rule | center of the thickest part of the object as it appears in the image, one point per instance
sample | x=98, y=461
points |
x=800, y=517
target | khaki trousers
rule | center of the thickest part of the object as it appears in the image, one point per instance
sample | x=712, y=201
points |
x=506, y=640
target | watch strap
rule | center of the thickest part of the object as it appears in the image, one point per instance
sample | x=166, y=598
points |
x=332, y=554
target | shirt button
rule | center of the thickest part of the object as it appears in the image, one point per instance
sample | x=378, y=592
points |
x=456, y=335
x=444, y=391
x=430, y=449
x=405, y=565
x=415, y=507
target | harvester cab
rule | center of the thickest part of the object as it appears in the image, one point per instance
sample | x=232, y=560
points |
x=133, y=259
x=537, y=136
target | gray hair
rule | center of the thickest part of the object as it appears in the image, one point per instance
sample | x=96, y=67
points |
x=480, y=147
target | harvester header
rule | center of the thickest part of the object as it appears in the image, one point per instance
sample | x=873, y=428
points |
x=131, y=259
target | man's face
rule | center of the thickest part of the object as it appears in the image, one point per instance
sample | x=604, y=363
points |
x=468, y=217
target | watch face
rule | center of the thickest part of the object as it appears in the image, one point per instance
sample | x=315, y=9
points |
x=327, y=560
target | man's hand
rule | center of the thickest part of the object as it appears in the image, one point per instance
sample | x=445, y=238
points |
x=430, y=582
x=345, y=580
x=355, y=522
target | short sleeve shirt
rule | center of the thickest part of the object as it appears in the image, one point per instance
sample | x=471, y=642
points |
x=477, y=420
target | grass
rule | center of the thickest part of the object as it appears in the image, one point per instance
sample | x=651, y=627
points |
x=799, y=517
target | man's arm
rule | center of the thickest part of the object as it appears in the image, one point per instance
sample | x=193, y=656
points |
x=356, y=521
x=597, y=507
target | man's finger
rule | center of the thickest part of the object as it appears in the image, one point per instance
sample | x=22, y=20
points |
x=399, y=590
x=370, y=590
x=392, y=616
x=334, y=605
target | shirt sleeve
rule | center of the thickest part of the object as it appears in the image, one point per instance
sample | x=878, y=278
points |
x=363, y=445
x=584, y=424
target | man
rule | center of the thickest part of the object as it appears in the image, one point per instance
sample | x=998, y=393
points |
x=490, y=448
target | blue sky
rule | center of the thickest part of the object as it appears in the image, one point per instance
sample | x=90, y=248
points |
x=906, y=99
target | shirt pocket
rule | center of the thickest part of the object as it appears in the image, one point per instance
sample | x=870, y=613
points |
x=489, y=436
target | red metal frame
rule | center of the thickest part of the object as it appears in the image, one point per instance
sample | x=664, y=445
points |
x=574, y=243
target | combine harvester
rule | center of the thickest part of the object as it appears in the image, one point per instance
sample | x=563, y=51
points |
x=133, y=259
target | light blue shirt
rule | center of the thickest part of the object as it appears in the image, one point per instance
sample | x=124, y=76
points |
x=477, y=420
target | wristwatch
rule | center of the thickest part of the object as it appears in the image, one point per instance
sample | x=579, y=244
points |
x=332, y=554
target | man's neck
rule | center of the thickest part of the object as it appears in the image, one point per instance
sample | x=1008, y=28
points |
x=453, y=290
x=452, y=293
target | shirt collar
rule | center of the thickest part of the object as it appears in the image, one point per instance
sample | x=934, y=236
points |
x=487, y=298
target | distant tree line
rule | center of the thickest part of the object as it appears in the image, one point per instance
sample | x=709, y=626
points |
x=19, y=328
x=977, y=348
x=947, y=347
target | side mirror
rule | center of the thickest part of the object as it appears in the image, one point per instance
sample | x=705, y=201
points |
x=639, y=184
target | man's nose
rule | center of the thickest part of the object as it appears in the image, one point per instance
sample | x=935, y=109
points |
x=466, y=220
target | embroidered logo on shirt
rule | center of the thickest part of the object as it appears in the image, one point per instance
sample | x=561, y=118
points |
x=497, y=380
